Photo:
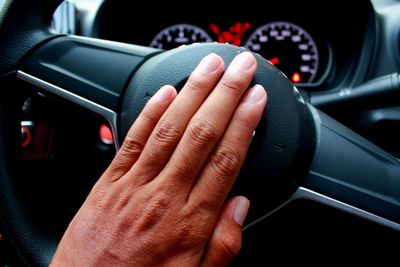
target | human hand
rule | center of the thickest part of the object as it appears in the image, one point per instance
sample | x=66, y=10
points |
x=162, y=200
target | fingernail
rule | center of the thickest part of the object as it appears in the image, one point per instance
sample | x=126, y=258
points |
x=164, y=94
x=255, y=95
x=209, y=64
x=241, y=208
x=244, y=61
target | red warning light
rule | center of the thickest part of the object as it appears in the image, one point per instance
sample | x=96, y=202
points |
x=296, y=78
x=106, y=135
x=234, y=35
x=274, y=61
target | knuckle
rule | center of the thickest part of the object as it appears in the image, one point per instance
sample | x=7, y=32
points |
x=167, y=133
x=226, y=161
x=98, y=197
x=150, y=116
x=116, y=170
x=229, y=245
x=127, y=154
x=187, y=235
x=244, y=128
x=131, y=146
x=246, y=121
x=202, y=207
x=191, y=230
x=153, y=211
x=232, y=86
x=201, y=133
x=183, y=167
x=197, y=83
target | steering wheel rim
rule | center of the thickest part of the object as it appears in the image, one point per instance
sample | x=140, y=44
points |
x=25, y=26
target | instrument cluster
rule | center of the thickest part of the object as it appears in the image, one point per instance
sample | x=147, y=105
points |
x=286, y=45
x=317, y=45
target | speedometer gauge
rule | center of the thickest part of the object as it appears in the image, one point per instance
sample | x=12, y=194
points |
x=289, y=47
x=179, y=34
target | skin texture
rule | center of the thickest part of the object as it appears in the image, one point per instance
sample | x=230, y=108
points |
x=162, y=201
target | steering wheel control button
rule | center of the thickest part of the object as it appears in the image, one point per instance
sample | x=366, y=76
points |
x=26, y=133
x=105, y=135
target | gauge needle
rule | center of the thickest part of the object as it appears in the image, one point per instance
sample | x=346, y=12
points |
x=274, y=61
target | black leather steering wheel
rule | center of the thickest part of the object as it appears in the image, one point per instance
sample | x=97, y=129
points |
x=297, y=152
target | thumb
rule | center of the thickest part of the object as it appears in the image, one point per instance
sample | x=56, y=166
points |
x=226, y=239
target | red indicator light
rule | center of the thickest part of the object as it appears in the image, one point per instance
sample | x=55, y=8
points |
x=274, y=61
x=106, y=135
x=234, y=35
x=26, y=136
x=296, y=78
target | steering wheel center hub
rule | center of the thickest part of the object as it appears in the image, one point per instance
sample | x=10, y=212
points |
x=283, y=144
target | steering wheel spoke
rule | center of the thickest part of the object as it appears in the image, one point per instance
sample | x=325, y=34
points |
x=350, y=173
x=91, y=73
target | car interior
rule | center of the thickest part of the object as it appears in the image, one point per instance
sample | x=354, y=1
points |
x=325, y=180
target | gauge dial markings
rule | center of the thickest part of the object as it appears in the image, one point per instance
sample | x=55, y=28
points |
x=179, y=34
x=294, y=48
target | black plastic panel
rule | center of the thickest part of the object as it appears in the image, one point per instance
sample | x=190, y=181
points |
x=349, y=168
x=94, y=69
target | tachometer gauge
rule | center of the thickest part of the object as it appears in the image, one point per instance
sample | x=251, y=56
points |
x=179, y=34
x=289, y=47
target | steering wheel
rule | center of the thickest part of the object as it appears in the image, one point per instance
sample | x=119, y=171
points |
x=297, y=152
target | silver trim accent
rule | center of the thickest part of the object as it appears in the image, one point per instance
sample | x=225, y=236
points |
x=268, y=214
x=108, y=114
x=304, y=193
x=27, y=123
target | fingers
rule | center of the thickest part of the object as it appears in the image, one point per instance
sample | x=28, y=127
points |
x=139, y=132
x=224, y=163
x=225, y=242
x=210, y=121
x=167, y=133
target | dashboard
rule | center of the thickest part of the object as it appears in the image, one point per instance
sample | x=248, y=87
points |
x=315, y=44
